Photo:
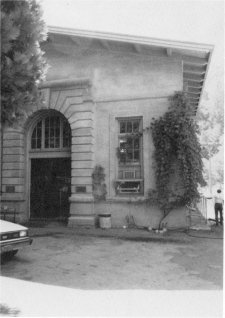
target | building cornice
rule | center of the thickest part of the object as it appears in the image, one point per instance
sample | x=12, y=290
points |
x=141, y=40
x=195, y=57
x=80, y=82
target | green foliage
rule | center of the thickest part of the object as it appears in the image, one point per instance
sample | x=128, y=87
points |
x=99, y=187
x=211, y=123
x=210, y=118
x=177, y=152
x=22, y=63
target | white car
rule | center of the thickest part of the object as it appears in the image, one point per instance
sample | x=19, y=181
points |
x=13, y=237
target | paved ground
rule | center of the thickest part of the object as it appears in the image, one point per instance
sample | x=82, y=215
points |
x=96, y=272
x=121, y=259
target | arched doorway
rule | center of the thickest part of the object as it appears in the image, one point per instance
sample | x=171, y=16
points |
x=50, y=166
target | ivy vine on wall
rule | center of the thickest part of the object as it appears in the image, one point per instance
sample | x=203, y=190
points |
x=177, y=152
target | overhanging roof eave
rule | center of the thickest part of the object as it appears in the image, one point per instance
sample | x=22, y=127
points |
x=194, y=55
x=141, y=40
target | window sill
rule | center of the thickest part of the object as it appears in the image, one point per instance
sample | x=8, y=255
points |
x=49, y=150
x=126, y=164
x=138, y=198
x=129, y=187
x=129, y=180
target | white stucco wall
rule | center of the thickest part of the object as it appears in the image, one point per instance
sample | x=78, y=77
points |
x=123, y=84
x=115, y=74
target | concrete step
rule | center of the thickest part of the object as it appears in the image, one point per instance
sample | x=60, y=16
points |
x=82, y=221
x=198, y=222
x=197, y=218
x=202, y=227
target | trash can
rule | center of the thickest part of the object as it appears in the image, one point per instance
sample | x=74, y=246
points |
x=105, y=221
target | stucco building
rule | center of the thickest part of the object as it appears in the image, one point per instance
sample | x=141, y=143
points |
x=100, y=95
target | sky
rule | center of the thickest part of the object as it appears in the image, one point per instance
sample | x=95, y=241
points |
x=194, y=21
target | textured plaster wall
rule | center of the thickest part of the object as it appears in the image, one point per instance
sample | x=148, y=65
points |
x=116, y=74
x=106, y=133
x=122, y=84
x=144, y=214
x=106, y=142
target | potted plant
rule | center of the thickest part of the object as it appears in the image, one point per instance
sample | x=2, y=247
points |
x=99, y=193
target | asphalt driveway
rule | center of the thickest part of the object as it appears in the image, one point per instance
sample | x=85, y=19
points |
x=98, y=259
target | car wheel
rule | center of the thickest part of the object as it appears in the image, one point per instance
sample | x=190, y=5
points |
x=8, y=255
x=13, y=252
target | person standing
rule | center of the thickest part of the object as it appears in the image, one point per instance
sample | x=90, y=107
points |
x=218, y=206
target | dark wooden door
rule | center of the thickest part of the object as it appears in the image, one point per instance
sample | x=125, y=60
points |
x=50, y=187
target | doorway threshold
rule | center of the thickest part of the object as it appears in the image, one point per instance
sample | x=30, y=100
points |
x=42, y=222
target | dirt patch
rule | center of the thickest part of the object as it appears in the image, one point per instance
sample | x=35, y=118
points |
x=118, y=259
x=204, y=257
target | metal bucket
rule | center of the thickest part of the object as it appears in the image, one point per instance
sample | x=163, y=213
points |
x=105, y=221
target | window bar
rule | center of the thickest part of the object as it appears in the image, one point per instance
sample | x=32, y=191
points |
x=60, y=142
x=43, y=135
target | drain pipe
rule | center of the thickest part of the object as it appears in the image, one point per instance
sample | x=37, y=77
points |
x=1, y=157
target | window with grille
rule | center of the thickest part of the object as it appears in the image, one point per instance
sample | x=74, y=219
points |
x=130, y=156
x=129, y=141
x=52, y=132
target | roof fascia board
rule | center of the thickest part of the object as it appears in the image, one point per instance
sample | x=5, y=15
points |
x=132, y=39
x=81, y=82
x=193, y=49
x=205, y=78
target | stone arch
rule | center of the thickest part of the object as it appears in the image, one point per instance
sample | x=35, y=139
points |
x=71, y=98
x=48, y=168
x=35, y=118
